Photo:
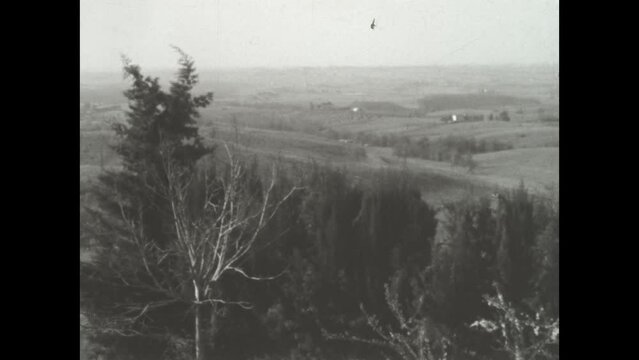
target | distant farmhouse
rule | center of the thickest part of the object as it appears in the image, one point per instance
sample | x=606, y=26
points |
x=449, y=118
x=454, y=118
x=357, y=112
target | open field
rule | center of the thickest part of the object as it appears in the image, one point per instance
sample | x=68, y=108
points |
x=301, y=114
x=519, y=134
x=538, y=167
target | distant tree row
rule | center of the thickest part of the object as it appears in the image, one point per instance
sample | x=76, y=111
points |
x=441, y=102
x=448, y=148
x=502, y=116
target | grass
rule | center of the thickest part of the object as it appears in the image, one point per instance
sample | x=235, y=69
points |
x=538, y=167
x=534, y=134
x=298, y=145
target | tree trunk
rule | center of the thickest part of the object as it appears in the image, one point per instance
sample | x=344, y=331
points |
x=213, y=325
x=199, y=350
x=518, y=353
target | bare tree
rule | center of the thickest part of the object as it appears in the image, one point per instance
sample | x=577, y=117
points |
x=416, y=338
x=520, y=335
x=216, y=223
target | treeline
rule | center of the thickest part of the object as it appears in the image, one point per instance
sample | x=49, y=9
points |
x=349, y=242
x=337, y=244
x=448, y=148
x=456, y=149
x=340, y=243
x=302, y=255
x=440, y=102
x=438, y=149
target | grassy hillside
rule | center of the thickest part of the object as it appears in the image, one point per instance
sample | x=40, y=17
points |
x=272, y=110
x=538, y=167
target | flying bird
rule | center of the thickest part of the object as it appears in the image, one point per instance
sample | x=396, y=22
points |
x=373, y=24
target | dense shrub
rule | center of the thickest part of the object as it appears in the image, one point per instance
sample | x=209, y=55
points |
x=344, y=242
x=339, y=243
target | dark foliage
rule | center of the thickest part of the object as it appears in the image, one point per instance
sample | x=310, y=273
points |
x=114, y=284
x=335, y=245
x=451, y=148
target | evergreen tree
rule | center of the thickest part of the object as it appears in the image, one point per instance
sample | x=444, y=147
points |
x=156, y=117
x=547, y=258
x=157, y=123
x=516, y=231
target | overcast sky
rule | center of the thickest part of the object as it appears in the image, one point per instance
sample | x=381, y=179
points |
x=280, y=33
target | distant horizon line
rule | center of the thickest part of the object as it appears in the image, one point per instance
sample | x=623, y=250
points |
x=289, y=67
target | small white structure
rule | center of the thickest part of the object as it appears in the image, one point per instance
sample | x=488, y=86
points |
x=356, y=113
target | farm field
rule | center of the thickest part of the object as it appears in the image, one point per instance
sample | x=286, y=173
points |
x=307, y=114
x=538, y=167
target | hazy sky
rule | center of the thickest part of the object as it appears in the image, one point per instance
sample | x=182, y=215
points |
x=275, y=33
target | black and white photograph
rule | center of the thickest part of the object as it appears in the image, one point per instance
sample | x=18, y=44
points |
x=319, y=179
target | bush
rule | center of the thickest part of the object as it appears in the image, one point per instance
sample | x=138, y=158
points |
x=413, y=337
x=520, y=334
x=504, y=116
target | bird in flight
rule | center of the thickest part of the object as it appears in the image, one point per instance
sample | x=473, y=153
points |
x=373, y=24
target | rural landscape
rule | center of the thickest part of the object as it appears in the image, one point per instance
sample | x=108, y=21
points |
x=385, y=135
x=370, y=119
x=319, y=212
